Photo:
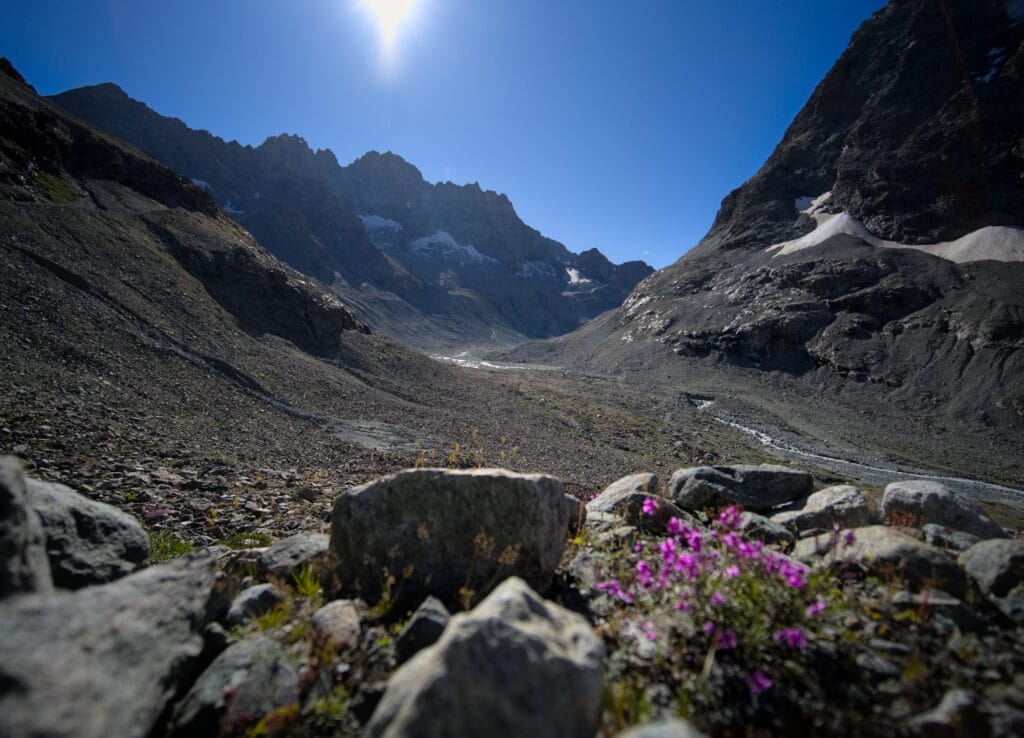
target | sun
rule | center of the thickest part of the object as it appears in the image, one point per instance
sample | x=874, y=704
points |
x=389, y=15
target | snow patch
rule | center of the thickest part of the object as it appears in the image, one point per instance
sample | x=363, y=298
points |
x=996, y=243
x=201, y=183
x=379, y=223
x=812, y=205
x=442, y=245
x=530, y=269
x=575, y=278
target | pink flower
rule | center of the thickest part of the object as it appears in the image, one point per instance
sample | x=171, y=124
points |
x=717, y=598
x=644, y=575
x=759, y=682
x=668, y=551
x=730, y=540
x=727, y=639
x=849, y=538
x=614, y=589
x=814, y=608
x=792, y=637
x=730, y=517
x=732, y=571
x=675, y=526
x=683, y=606
x=650, y=506
x=748, y=551
x=709, y=628
x=693, y=539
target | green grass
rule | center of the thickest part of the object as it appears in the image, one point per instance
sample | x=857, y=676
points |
x=164, y=547
x=57, y=189
x=247, y=540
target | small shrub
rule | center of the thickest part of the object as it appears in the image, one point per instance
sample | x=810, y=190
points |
x=307, y=582
x=248, y=540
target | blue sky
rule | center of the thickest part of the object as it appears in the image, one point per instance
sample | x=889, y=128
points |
x=613, y=124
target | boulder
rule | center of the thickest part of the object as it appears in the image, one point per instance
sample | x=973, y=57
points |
x=946, y=538
x=451, y=534
x=756, y=488
x=996, y=565
x=253, y=677
x=23, y=563
x=889, y=552
x=253, y=602
x=918, y=502
x=105, y=660
x=338, y=623
x=626, y=499
x=286, y=557
x=87, y=542
x=760, y=528
x=667, y=728
x=517, y=665
x=423, y=629
x=841, y=505
x=958, y=714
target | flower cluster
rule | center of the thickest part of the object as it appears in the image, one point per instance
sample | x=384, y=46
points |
x=705, y=594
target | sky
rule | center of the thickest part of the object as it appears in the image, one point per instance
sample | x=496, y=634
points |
x=609, y=124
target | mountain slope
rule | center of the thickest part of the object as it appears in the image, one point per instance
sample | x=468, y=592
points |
x=880, y=247
x=425, y=263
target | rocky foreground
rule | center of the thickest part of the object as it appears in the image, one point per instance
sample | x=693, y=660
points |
x=730, y=601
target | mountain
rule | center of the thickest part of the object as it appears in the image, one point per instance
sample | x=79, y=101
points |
x=425, y=263
x=880, y=249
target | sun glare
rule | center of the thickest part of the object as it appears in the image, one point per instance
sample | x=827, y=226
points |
x=389, y=16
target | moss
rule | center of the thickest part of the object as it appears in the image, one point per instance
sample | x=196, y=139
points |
x=57, y=189
x=164, y=547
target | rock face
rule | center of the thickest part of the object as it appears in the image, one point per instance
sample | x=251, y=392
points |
x=924, y=502
x=435, y=532
x=24, y=566
x=87, y=542
x=913, y=138
x=514, y=666
x=446, y=254
x=146, y=629
x=285, y=558
x=756, y=488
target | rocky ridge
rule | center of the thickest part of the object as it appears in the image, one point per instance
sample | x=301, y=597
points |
x=425, y=263
x=820, y=265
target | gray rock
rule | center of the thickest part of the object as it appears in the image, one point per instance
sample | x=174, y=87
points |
x=756, y=488
x=23, y=563
x=87, y=542
x=250, y=679
x=889, y=552
x=423, y=629
x=105, y=660
x=932, y=604
x=338, y=623
x=764, y=529
x=958, y=714
x=253, y=602
x=626, y=497
x=286, y=557
x=918, y=502
x=996, y=565
x=516, y=665
x=842, y=505
x=668, y=728
x=946, y=538
x=436, y=532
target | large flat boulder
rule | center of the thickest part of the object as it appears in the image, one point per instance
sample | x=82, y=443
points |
x=23, y=563
x=516, y=666
x=918, y=502
x=756, y=488
x=105, y=660
x=87, y=542
x=451, y=534
x=843, y=505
